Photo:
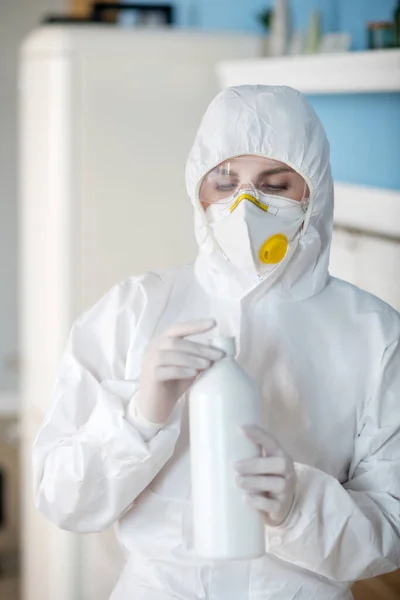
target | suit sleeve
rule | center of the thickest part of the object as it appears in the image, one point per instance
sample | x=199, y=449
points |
x=352, y=531
x=92, y=457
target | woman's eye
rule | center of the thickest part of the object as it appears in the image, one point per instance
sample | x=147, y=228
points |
x=273, y=188
x=226, y=187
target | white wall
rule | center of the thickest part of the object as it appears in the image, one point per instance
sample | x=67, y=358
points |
x=17, y=18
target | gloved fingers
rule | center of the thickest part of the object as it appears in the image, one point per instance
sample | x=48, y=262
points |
x=175, y=373
x=271, y=506
x=180, y=330
x=194, y=348
x=169, y=358
x=273, y=465
x=268, y=484
x=268, y=443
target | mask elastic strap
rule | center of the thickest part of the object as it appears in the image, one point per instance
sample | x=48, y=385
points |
x=305, y=200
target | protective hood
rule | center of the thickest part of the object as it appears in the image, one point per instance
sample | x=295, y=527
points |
x=275, y=122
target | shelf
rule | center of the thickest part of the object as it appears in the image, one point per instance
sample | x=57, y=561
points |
x=350, y=72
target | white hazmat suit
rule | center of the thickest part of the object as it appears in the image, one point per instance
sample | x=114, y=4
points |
x=325, y=354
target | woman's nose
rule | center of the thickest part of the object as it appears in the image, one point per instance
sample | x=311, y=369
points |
x=247, y=187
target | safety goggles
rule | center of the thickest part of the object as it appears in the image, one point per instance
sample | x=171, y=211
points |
x=251, y=175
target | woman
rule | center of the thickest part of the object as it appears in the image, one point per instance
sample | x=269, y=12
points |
x=114, y=446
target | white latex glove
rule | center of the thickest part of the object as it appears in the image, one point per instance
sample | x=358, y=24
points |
x=269, y=480
x=170, y=366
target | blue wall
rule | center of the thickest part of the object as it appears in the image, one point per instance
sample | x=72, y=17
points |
x=363, y=129
x=364, y=134
x=241, y=15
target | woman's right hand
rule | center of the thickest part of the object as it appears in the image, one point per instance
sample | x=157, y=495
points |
x=170, y=366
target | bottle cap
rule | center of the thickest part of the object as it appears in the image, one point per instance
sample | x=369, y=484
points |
x=226, y=344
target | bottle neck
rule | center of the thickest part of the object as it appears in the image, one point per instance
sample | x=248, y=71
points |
x=225, y=360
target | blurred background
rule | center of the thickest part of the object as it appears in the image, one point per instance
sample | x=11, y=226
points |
x=99, y=105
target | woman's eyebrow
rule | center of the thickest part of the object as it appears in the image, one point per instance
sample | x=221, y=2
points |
x=275, y=171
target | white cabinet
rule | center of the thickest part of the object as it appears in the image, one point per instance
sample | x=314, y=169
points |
x=366, y=240
x=369, y=262
x=107, y=117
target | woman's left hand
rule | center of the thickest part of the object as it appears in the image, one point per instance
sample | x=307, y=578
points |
x=269, y=480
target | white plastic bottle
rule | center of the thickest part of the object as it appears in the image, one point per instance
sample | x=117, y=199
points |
x=221, y=400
